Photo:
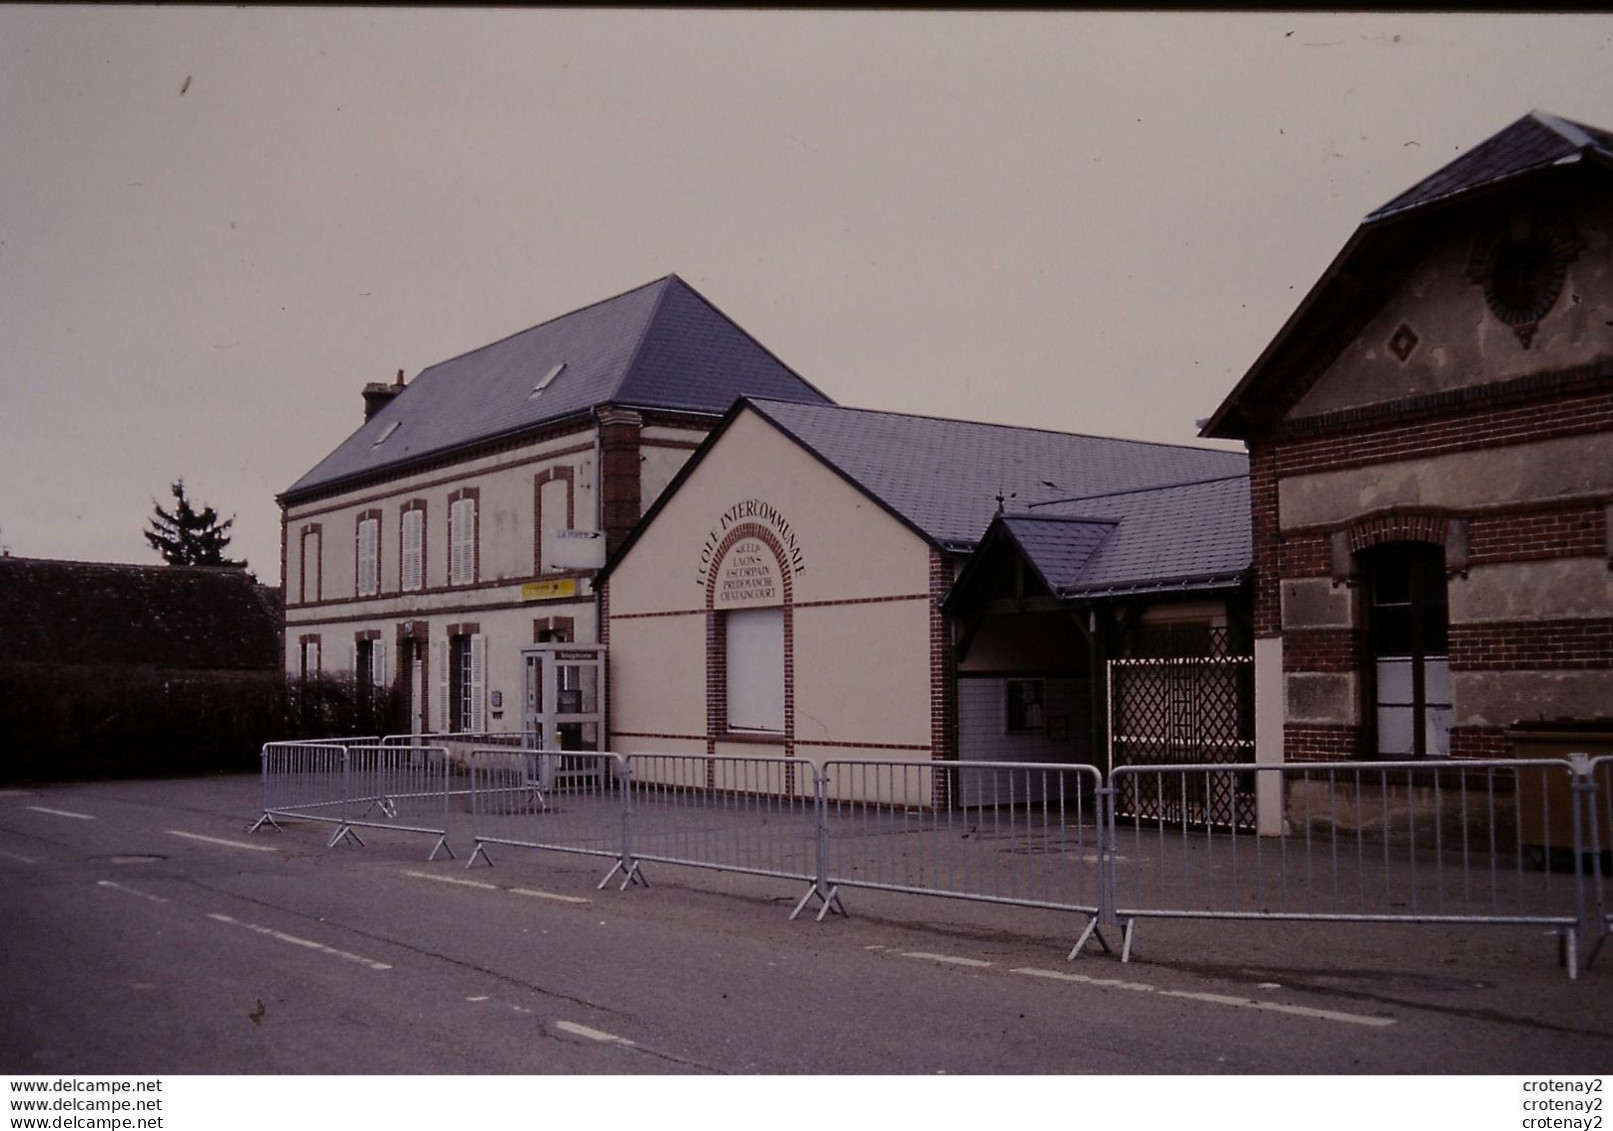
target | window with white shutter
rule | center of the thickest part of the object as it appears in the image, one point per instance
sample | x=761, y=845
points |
x=412, y=568
x=369, y=557
x=462, y=542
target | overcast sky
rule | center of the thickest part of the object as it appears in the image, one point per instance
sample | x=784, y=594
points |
x=217, y=224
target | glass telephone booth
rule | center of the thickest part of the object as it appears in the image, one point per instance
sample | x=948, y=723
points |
x=564, y=710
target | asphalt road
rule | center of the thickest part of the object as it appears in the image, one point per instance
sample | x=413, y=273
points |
x=145, y=932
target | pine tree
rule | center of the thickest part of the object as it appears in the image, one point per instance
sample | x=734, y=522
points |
x=189, y=537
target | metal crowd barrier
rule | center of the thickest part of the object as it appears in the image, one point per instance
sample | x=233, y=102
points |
x=562, y=802
x=406, y=789
x=1032, y=836
x=305, y=780
x=734, y=814
x=1519, y=842
x=1385, y=842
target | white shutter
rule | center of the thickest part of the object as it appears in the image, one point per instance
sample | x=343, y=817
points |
x=369, y=572
x=310, y=658
x=352, y=661
x=478, y=683
x=378, y=665
x=756, y=669
x=414, y=529
x=442, y=723
x=462, y=534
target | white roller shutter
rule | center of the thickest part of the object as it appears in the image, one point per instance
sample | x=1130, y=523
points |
x=756, y=669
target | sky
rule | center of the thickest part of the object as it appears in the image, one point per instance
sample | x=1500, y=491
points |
x=217, y=224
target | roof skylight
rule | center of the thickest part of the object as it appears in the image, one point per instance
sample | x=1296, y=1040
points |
x=390, y=428
x=548, y=379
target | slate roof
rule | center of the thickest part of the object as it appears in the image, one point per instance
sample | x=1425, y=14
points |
x=1536, y=141
x=172, y=617
x=943, y=477
x=1532, y=146
x=660, y=346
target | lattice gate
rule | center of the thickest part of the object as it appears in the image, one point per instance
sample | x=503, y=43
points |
x=1187, y=699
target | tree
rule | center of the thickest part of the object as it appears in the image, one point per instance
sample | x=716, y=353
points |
x=190, y=537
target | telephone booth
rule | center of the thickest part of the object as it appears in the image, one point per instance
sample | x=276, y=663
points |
x=564, y=711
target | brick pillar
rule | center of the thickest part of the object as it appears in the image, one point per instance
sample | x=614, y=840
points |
x=620, y=483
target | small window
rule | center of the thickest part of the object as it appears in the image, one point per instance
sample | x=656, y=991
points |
x=1027, y=705
x=755, y=639
x=384, y=436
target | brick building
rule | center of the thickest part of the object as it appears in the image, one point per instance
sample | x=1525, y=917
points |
x=1431, y=459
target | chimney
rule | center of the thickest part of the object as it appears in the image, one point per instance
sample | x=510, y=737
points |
x=378, y=394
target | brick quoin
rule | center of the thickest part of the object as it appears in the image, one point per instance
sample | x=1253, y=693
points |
x=1267, y=540
x=943, y=683
x=1324, y=650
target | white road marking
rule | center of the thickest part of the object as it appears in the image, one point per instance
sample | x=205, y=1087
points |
x=951, y=960
x=62, y=813
x=496, y=887
x=453, y=880
x=549, y=895
x=482, y=997
x=225, y=843
x=14, y=856
x=295, y=941
x=15, y=793
x=1214, y=999
x=577, y=1030
x=131, y=891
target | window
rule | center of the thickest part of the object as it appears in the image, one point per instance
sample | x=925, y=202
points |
x=461, y=680
x=369, y=556
x=368, y=661
x=462, y=541
x=310, y=657
x=311, y=581
x=1027, y=705
x=755, y=669
x=1408, y=626
x=412, y=569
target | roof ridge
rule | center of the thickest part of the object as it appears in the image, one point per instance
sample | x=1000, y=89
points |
x=665, y=282
x=1141, y=490
x=744, y=333
x=1573, y=132
x=546, y=322
x=1059, y=517
x=760, y=401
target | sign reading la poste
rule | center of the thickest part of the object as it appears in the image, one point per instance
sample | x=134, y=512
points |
x=748, y=570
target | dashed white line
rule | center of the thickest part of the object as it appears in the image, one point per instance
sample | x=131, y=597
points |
x=1215, y=999
x=577, y=1030
x=225, y=843
x=309, y=943
x=131, y=891
x=495, y=887
x=14, y=856
x=549, y=895
x=452, y=880
x=949, y=959
x=15, y=793
x=62, y=813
